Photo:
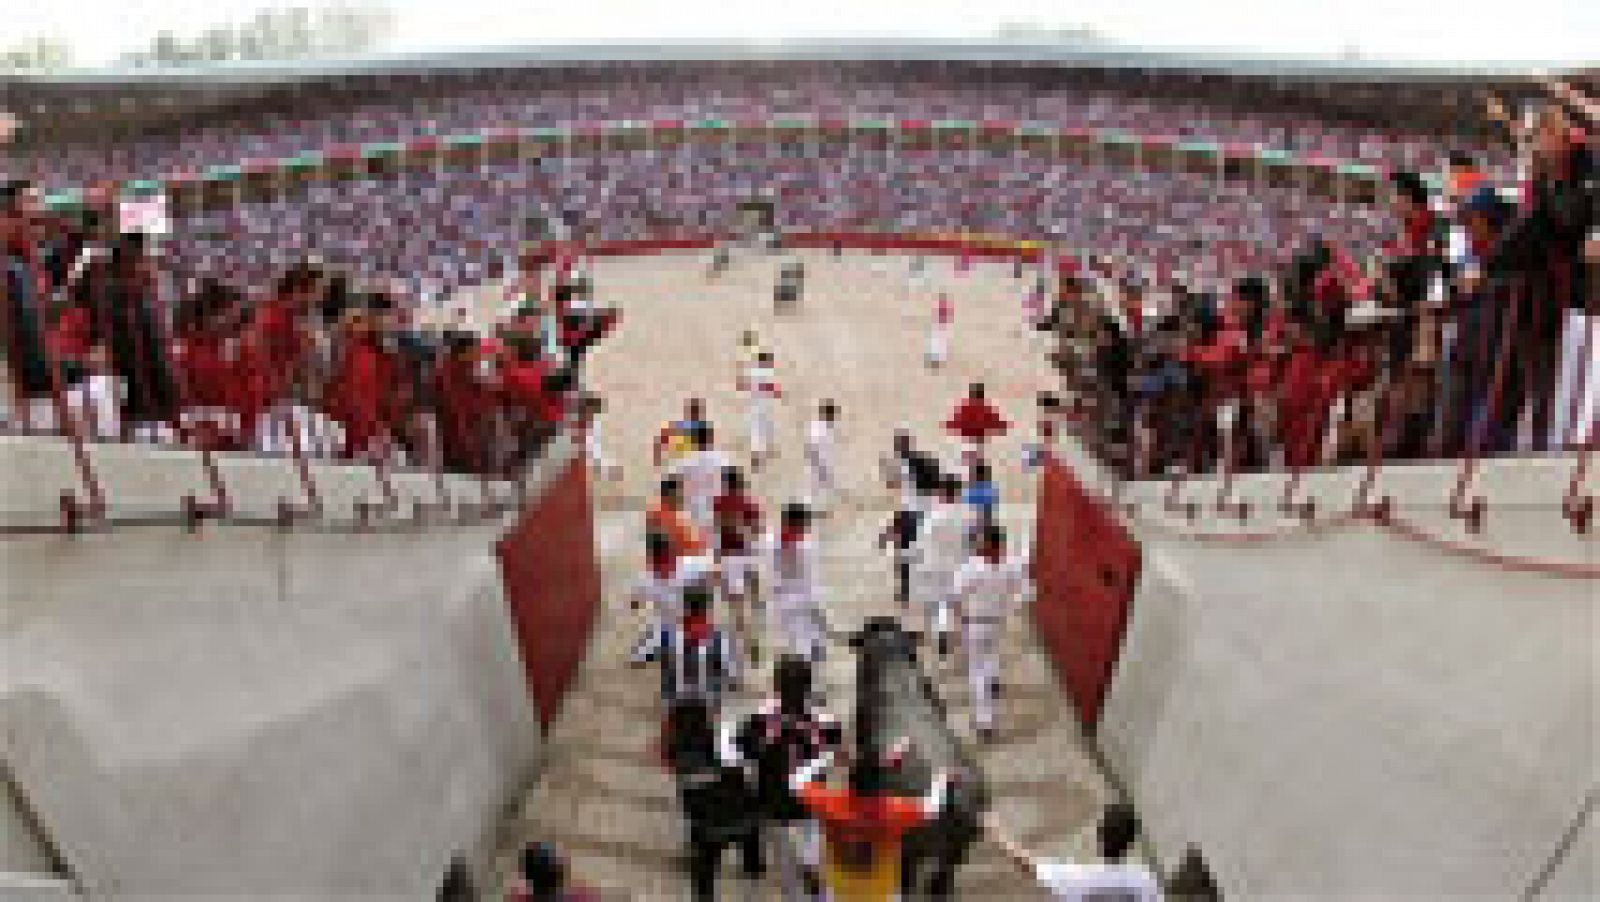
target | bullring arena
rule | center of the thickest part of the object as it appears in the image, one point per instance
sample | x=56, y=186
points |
x=858, y=338
x=339, y=397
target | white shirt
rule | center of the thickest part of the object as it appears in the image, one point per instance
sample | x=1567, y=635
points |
x=760, y=382
x=942, y=542
x=819, y=442
x=986, y=591
x=795, y=571
x=1097, y=882
x=701, y=472
x=898, y=471
x=660, y=594
x=664, y=594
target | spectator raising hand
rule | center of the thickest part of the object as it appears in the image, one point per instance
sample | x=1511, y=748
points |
x=1113, y=877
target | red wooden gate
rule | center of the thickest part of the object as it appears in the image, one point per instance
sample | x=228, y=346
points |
x=552, y=584
x=1086, y=568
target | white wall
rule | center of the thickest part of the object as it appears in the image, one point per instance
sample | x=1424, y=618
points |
x=1353, y=714
x=241, y=710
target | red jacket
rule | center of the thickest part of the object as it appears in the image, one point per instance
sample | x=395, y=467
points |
x=465, y=406
x=209, y=378
x=273, y=347
x=360, y=392
x=1222, y=363
x=72, y=335
x=522, y=388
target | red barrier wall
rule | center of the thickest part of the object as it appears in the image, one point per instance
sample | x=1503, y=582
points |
x=552, y=584
x=988, y=248
x=1086, y=567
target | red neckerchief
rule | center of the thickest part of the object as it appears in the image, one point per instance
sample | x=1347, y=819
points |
x=789, y=536
x=1416, y=230
x=696, y=629
x=994, y=555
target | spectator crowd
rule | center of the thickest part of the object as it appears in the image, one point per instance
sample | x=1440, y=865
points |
x=1249, y=325
x=307, y=359
x=1470, y=331
x=313, y=118
x=441, y=230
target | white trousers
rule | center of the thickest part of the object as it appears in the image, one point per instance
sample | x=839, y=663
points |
x=96, y=404
x=939, y=344
x=823, y=482
x=933, y=588
x=797, y=848
x=738, y=571
x=38, y=415
x=1577, y=398
x=760, y=427
x=981, y=643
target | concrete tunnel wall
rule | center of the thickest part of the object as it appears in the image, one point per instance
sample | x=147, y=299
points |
x=1351, y=714
x=242, y=710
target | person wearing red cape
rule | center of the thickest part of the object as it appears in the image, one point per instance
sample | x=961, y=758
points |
x=974, y=422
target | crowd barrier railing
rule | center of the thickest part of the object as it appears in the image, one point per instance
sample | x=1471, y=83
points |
x=104, y=365
x=1496, y=379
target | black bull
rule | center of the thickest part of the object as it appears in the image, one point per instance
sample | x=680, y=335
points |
x=896, y=700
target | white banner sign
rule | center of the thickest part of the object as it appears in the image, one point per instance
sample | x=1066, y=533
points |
x=144, y=214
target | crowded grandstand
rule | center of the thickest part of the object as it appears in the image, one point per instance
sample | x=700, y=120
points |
x=1169, y=200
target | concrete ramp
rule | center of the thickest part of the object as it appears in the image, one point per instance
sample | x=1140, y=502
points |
x=1350, y=713
x=314, y=712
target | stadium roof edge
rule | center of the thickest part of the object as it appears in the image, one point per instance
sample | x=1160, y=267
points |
x=1117, y=57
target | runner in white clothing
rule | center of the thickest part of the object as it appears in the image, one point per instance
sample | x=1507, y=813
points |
x=940, y=549
x=795, y=580
x=939, y=335
x=759, y=383
x=987, y=588
x=700, y=471
x=659, y=589
x=915, y=477
x=820, y=441
x=598, y=461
